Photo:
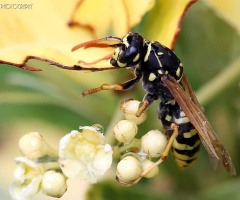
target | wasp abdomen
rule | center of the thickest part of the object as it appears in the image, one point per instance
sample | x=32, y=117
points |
x=186, y=146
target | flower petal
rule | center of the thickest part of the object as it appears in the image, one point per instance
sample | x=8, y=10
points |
x=41, y=32
x=27, y=179
x=164, y=22
x=92, y=135
x=24, y=192
x=84, y=155
x=28, y=33
x=103, y=160
x=107, y=16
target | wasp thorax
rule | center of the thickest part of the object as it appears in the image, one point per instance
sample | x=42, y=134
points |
x=129, y=52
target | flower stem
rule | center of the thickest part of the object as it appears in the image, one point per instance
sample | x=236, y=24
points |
x=219, y=83
x=52, y=165
x=135, y=143
x=118, y=115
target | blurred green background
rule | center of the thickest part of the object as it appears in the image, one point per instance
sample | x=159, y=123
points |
x=51, y=102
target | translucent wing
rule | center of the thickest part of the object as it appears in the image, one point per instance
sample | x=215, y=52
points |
x=199, y=121
x=191, y=93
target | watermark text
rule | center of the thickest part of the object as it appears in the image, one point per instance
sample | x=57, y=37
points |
x=16, y=6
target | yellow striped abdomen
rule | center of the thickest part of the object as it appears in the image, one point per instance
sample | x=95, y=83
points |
x=186, y=146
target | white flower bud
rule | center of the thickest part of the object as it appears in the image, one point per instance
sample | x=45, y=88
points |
x=128, y=169
x=84, y=155
x=130, y=108
x=146, y=164
x=125, y=131
x=27, y=179
x=54, y=184
x=153, y=143
x=33, y=146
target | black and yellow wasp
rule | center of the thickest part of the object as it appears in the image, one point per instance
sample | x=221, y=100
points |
x=163, y=78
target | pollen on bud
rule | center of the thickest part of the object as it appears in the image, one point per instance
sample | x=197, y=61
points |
x=125, y=131
x=33, y=146
x=153, y=143
x=128, y=169
x=146, y=164
x=130, y=108
x=54, y=184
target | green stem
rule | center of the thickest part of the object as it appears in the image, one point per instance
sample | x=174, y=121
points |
x=135, y=143
x=53, y=152
x=52, y=166
x=118, y=115
x=219, y=83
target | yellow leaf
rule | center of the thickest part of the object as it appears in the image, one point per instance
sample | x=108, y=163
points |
x=164, y=21
x=93, y=15
x=228, y=10
x=134, y=11
x=113, y=17
x=40, y=29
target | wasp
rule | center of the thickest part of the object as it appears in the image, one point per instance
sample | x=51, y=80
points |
x=163, y=78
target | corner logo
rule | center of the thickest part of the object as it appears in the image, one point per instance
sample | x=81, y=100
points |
x=16, y=6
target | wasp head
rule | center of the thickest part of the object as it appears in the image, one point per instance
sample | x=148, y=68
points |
x=129, y=51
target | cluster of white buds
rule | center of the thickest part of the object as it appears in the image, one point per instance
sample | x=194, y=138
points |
x=85, y=155
x=34, y=170
x=136, y=154
x=82, y=155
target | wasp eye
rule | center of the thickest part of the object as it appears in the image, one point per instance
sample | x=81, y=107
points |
x=124, y=48
x=129, y=39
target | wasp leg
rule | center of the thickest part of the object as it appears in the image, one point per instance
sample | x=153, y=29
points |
x=165, y=152
x=164, y=155
x=147, y=100
x=124, y=86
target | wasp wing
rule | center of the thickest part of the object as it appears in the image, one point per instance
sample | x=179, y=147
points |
x=199, y=121
x=191, y=92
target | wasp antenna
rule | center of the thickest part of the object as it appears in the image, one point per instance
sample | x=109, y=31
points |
x=89, y=44
x=99, y=43
x=112, y=38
